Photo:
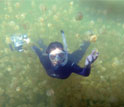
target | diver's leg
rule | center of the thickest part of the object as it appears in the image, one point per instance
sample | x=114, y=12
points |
x=77, y=55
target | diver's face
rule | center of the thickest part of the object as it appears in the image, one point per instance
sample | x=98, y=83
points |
x=57, y=56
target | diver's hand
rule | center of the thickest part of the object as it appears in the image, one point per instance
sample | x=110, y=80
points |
x=91, y=58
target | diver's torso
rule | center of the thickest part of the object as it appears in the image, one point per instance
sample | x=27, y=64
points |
x=62, y=71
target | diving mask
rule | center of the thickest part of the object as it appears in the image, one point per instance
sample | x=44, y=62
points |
x=58, y=56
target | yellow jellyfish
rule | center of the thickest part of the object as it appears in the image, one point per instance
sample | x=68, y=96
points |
x=93, y=38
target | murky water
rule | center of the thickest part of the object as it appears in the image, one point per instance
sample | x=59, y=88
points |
x=23, y=80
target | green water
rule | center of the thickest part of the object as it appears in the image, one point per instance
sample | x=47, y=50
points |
x=23, y=80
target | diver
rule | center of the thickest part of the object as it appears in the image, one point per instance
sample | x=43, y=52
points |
x=58, y=63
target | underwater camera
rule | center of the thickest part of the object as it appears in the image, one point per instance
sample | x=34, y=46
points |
x=18, y=42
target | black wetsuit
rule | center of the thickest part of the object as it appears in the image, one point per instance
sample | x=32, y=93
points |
x=71, y=66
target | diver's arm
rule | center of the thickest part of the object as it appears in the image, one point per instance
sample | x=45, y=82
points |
x=37, y=51
x=77, y=55
x=53, y=75
x=81, y=71
x=43, y=59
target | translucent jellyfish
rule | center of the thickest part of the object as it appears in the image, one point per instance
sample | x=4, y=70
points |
x=50, y=92
x=1, y=91
x=54, y=8
x=92, y=22
x=33, y=4
x=18, y=89
x=115, y=62
x=123, y=26
x=8, y=40
x=11, y=23
x=9, y=69
x=49, y=25
x=23, y=15
x=77, y=35
x=16, y=27
x=43, y=8
x=71, y=3
x=41, y=19
x=17, y=16
x=7, y=16
x=17, y=5
x=55, y=17
x=79, y=16
x=9, y=9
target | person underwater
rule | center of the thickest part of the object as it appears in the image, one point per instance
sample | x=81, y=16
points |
x=60, y=64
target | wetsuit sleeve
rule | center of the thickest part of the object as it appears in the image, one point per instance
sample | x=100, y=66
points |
x=81, y=71
x=77, y=55
x=40, y=55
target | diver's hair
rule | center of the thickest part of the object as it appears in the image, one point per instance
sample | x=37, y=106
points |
x=53, y=46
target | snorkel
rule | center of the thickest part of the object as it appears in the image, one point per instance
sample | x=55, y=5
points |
x=65, y=47
x=64, y=40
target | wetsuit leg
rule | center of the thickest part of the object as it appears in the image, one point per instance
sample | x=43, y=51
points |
x=77, y=55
